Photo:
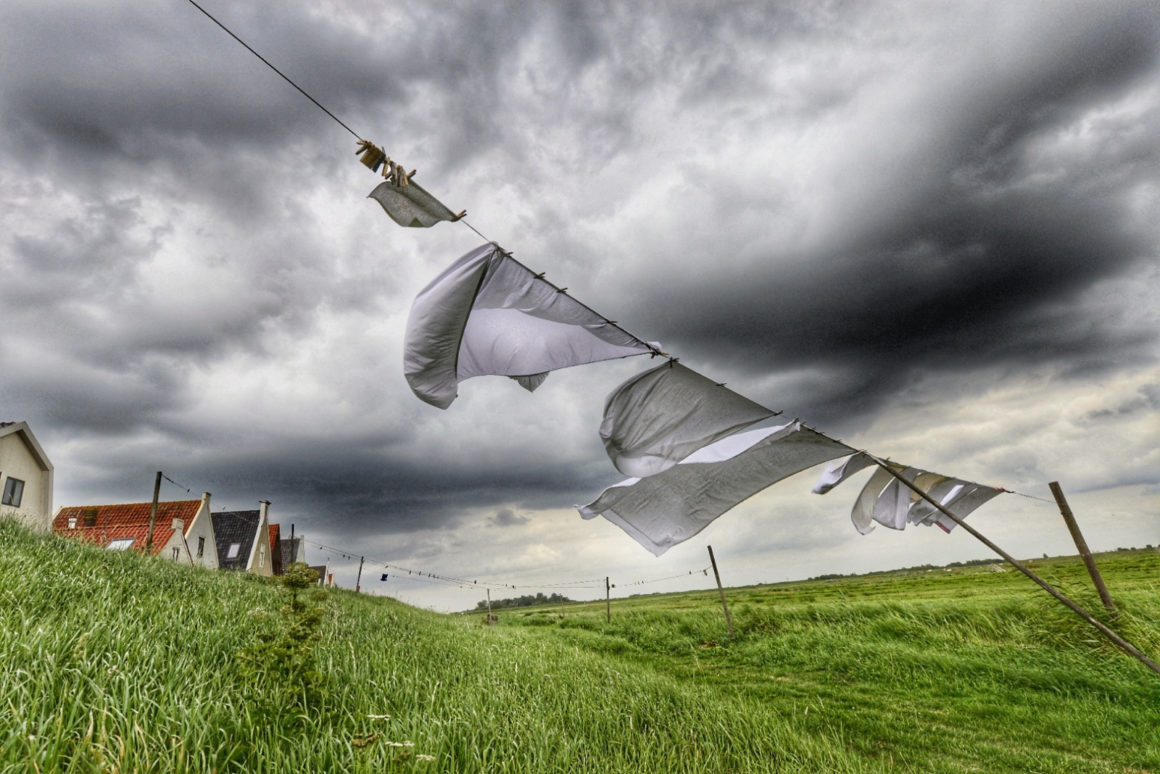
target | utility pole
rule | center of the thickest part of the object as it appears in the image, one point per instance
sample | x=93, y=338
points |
x=490, y=620
x=1082, y=546
x=358, y=580
x=721, y=591
x=153, y=515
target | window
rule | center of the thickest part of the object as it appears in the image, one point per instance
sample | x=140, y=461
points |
x=120, y=544
x=72, y=522
x=13, y=492
x=200, y=547
x=233, y=552
x=261, y=556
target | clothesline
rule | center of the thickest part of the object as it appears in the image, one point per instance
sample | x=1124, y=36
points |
x=428, y=576
x=344, y=125
x=911, y=502
x=703, y=570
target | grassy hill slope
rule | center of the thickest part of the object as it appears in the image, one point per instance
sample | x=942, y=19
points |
x=111, y=662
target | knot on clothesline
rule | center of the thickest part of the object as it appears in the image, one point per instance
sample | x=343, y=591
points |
x=374, y=157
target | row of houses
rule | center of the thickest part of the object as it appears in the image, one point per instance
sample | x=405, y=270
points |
x=182, y=531
x=186, y=531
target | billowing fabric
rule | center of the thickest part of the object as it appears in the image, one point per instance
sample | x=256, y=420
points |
x=838, y=471
x=657, y=418
x=410, y=205
x=487, y=314
x=887, y=501
x=670, y=507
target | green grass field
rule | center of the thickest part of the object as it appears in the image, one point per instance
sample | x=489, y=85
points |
x=111, y=662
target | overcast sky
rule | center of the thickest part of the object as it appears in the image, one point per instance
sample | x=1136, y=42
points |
x=928, y=229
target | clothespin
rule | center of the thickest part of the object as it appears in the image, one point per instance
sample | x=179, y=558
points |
x=396, y=174
x=372, y=155
x=462, y=213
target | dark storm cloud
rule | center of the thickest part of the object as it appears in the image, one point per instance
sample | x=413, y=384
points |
x=358, y=493
x=103, y=96
x=820, y=203
x=970, y=267
x=506, y=517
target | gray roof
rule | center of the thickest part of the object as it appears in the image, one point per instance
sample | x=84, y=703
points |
x=232, y=528
x=292, y=551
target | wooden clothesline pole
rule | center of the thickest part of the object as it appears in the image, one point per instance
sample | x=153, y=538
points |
x=1116, y=639
x=1082, y=546
x=721, y=591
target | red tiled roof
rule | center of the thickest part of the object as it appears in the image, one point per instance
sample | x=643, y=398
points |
x=101, y=524
x=275, y=549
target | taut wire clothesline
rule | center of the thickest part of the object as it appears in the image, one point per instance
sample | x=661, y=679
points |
x=1120, y=642
x=644, y=342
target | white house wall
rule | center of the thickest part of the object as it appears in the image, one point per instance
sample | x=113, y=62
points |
x=174, y=542
x=202, y=527
x=17, y=460
x=261, y=560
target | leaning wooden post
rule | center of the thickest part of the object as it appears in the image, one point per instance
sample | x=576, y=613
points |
x=607, y=601
x=1082, y=546
x=153, y=515
x=1119, y=641
x=721, y=591
x=490, y=620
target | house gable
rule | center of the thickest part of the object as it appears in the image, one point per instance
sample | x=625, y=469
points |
x=234, y=532
x=293, y=550
x=26, y=476
x=199, y=537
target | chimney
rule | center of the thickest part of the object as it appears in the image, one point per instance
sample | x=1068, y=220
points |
x=205, y=500
x=264, y=508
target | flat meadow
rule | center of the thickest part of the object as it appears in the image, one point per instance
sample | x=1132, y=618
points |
x=113, y=662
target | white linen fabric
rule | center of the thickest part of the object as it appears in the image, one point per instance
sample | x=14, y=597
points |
x=657, y=418
x=670, y=507
x=839, y=470
x=410, y=205
x=887, y=501
x=488, y=314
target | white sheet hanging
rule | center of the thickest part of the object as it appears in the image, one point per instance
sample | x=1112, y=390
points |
x=670, y=507
x=657, y=418
x=838, y=471
x=488, y=315
x=887, y=501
